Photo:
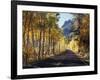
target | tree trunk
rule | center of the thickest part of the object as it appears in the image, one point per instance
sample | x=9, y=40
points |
x=43, y=41
x=53, y=46
x=34, y=52
x=59, y=47
x=24, y=28
x=49, y=41
x=40, y=45
x=27, y=56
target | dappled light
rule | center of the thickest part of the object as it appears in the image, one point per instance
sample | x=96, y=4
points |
x=45, y=38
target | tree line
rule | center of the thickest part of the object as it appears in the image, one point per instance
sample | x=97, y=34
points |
x=42, y=37
x=79, y=42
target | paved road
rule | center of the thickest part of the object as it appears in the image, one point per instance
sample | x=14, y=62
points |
x=67, y=58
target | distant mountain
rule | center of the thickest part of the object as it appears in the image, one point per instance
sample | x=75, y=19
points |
x=67, y=27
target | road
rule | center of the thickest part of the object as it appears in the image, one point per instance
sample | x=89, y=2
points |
x=67, y=58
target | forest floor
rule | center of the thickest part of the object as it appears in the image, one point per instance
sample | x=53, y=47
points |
x=67, y=58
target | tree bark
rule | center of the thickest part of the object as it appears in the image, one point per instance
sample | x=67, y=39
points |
x=43, y=41
x=49, y=41
x=40, y=45
x=27, y=56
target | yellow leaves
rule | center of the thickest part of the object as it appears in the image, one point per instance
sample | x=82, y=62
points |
x=84, y=28
x=74, y=45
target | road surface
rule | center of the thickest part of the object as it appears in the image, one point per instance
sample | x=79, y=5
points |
x=67, y=58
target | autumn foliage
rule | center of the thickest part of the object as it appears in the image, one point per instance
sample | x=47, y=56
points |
x=42, y=38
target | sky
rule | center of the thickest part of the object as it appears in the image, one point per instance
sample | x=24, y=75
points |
x=64, y=17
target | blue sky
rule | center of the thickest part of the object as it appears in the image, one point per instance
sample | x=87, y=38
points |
x=64, y=17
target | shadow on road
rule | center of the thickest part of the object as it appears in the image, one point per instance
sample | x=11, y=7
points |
x=67, y=58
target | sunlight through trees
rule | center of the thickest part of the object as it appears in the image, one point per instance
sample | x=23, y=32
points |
x=43, y=38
